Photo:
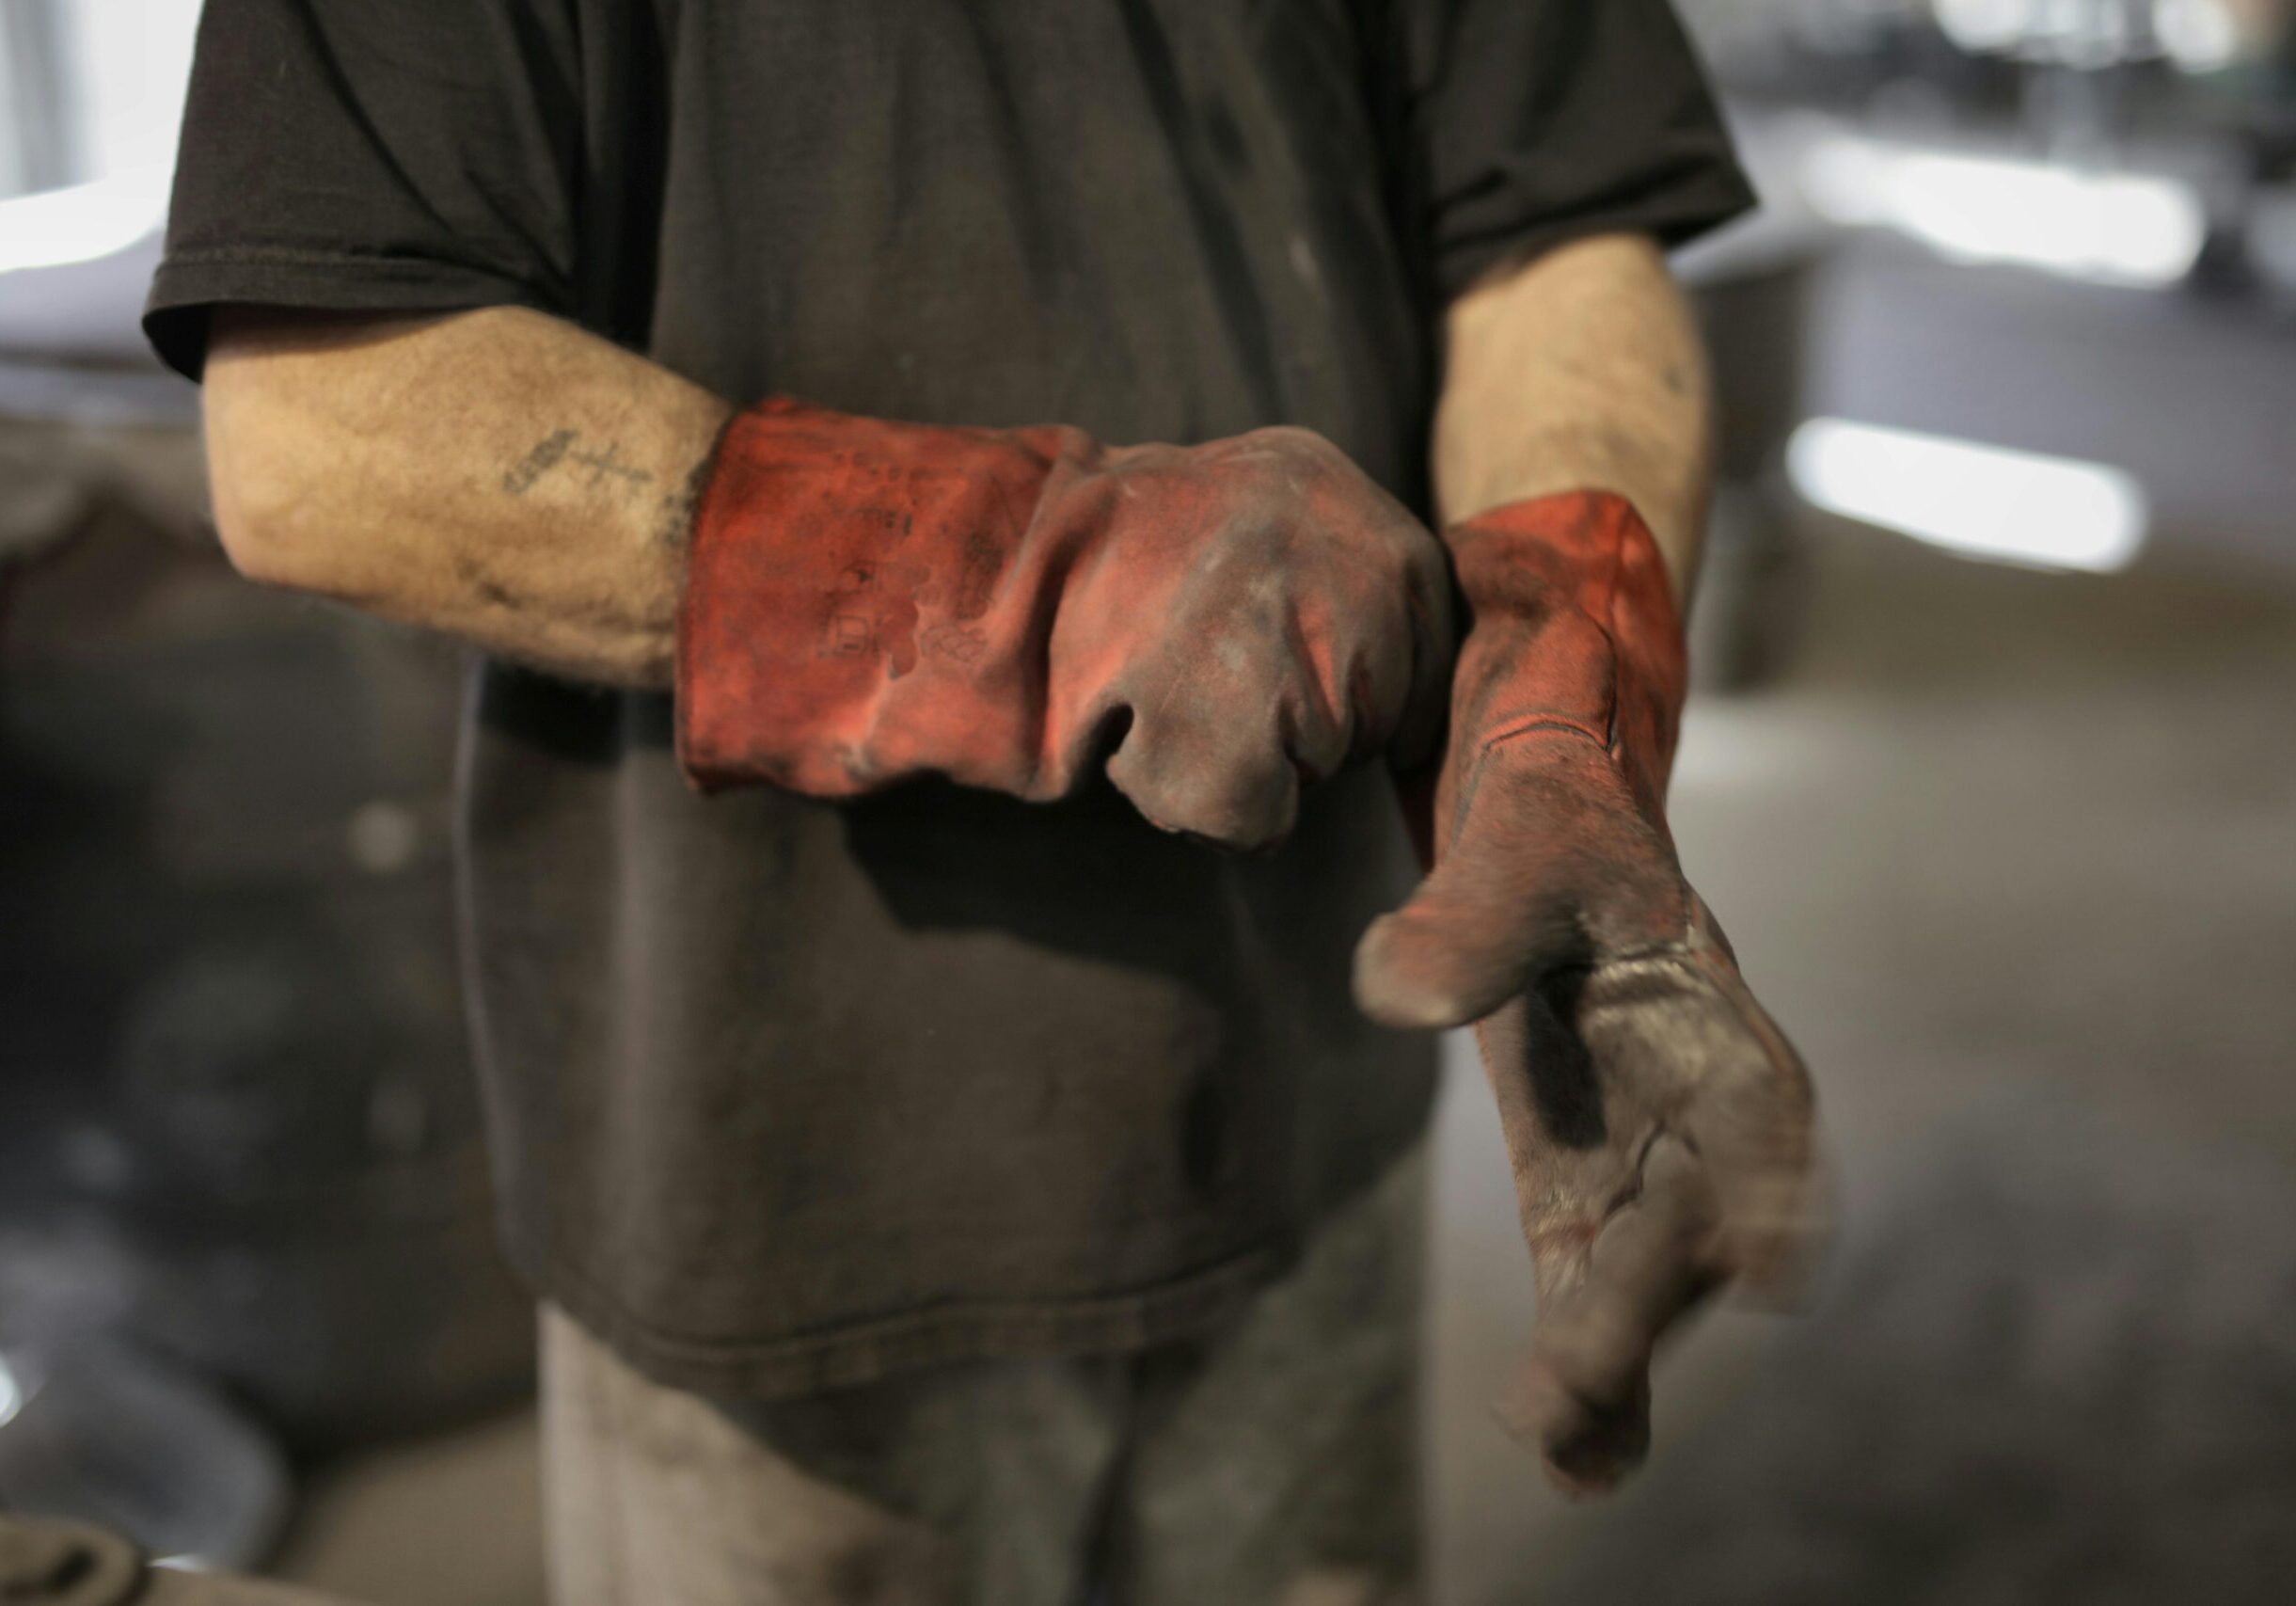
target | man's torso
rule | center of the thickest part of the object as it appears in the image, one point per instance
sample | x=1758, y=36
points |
x=791, y=1094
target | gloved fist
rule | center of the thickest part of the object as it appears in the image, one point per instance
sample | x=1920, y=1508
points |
x=866, y=601
x=1659, y=1126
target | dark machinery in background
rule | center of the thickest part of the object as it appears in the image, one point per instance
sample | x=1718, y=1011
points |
x=240, y=1169
x=243, y=1215
x=2203, y=91
x=2140, y=144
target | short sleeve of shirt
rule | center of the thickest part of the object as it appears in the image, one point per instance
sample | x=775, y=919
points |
x=386, y=155
x=1536, y=121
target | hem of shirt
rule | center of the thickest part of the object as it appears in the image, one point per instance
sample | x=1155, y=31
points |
x=869, y=1350
x=191, y=281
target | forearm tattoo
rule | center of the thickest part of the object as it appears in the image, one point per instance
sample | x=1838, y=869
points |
x=677, y=506
x=599, y=466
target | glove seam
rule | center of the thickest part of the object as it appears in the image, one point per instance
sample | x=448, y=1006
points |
x=1684, y=948
x=1531, y=723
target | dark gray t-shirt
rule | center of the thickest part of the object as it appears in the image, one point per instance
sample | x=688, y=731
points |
x=786, y=1094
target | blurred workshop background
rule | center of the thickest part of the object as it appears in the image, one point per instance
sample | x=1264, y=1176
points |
x=1992, y=776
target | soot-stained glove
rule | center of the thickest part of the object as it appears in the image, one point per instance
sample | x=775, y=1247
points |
x=866, y=601
x=1659, y=1126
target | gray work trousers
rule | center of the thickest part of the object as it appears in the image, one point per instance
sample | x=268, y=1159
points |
x=1271, y=1463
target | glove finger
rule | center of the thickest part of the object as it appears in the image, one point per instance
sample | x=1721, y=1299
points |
x=1755, y=1121
x=1435, y=650
x=1460, y=949
x=1352, y=642
x=1545, y=836
x=1741, y=1097
x=1227, y=782
x=1582, y=1394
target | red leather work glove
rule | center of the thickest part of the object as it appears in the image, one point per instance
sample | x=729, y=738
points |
x=1658, y=1124
x=866, y=601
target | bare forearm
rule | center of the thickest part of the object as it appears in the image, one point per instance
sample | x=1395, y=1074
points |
x=499, y=475
x=1581, y=370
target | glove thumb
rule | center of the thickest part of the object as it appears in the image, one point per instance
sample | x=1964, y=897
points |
x=1546, y=850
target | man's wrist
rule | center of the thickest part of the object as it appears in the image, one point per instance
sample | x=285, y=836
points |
x=1571, y=621
x=1675, y=532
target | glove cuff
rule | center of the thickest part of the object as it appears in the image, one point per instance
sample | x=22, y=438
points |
x=1573, y=625
x=835, y=573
